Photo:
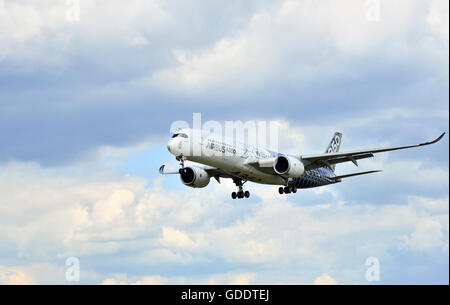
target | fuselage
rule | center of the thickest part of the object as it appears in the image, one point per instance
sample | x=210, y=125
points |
x=234, y=157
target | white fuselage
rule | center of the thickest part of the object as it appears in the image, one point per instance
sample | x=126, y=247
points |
x=226, y=154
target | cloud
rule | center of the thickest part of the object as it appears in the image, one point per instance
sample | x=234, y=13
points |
x=112, y=208
x=325, y=279
x=177, y=239
x=243, y=279
x=138, y=40
x=427, y=236
x=438, y=19
x=15, y=276
x=146, y=280
x=91, y=218
x=70, y=88
x=230, y=278
x=47, y=29
x=430, y=205
x=274, y=43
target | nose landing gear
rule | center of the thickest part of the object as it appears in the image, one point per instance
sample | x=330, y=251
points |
x=240, y=194
x=181, y=159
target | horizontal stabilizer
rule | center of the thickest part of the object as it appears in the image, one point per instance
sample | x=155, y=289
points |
x=355, y=174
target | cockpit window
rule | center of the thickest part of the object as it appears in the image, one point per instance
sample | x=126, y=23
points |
x=182, y=135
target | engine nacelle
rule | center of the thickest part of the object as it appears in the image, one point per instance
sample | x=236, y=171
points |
x=194, y=177
x=288, y=167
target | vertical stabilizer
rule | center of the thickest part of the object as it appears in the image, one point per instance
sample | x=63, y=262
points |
x=334, y=146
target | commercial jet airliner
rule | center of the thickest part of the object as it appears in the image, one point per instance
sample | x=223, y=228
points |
x=224, y=158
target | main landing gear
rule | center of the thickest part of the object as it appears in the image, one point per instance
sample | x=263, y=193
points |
x=287, y=190
x=240, y=194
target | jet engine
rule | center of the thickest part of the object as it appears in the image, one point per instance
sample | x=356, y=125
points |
x=194, y=177
x=289, y=167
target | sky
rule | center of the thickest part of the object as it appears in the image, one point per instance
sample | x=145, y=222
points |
x=90, y=88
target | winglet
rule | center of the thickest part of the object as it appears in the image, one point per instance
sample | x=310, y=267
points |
x=162, y=172
x=437, y=140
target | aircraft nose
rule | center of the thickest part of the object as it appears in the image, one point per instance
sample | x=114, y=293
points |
x=171, y=146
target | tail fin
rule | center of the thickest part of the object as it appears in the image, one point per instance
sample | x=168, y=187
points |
x=334, y=146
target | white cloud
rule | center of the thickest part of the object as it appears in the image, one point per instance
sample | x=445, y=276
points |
x=122, y=279
x=177, y=239
x=275, y=43
x=427, y=236
x=112, y=208
x=15, y=276
x=57, y=217
x=410, y=173
x=243, y=279
x=325, y=279
x=430, y=205
x=112, y=281
x=439, y=20
x=39, y=34
x=229, y=278
x=138, y=40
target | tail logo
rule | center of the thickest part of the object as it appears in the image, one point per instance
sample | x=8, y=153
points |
x=334, y=145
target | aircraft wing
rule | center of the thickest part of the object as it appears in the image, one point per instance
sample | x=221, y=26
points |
x=217, y=173
x=263, y=165
x=320, y=160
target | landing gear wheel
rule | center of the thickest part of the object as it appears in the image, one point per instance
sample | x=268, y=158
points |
x=294, y=190
x=281, y=190
x=240, y=194
x=287, y=189
x=233, y=195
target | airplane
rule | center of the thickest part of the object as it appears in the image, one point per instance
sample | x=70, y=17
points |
x=226, y=158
